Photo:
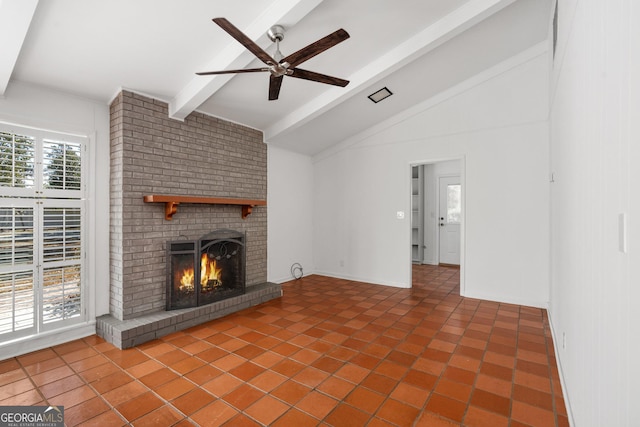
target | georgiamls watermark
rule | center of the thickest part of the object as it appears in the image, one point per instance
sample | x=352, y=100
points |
x=31, y=416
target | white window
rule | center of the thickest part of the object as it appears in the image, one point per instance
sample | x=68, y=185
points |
x=42, y=211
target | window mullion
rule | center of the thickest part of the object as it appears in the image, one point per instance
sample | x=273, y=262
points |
x=37, y=262
x=38, y=231
x=38, y=166
x=13, y=160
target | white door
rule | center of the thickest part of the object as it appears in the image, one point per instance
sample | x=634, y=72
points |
x=449, y=219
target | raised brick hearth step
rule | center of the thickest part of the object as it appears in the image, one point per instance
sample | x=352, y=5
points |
x=132, y=332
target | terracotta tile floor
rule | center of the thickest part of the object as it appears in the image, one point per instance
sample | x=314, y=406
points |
x=330, y=352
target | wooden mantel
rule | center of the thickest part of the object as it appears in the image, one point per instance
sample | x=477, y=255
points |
x=171, y=203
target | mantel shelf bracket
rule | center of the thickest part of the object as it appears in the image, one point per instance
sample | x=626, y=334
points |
x=171, y=203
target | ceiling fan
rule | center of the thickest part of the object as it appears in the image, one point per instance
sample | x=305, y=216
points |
x=280, y=65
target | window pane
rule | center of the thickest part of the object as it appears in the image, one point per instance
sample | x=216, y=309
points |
x=16, y=236
x=454, y=206
x=60, y=293
x=61, y=234
x=61, y=165
x=16, y=301
x=17, y=158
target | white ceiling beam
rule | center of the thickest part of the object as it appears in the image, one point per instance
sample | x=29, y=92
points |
x=445, y=29
x=234, y=55
x=16, y=18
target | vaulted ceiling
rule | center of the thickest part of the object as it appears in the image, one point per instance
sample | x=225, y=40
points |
x=416, y=48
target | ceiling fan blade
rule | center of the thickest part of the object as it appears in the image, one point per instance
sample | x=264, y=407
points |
x=243, y=70
x=274, y=87
x=317, y=77
x=244, y=40
x=315, y=48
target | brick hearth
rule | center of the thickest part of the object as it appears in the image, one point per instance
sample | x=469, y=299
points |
x=129, y=333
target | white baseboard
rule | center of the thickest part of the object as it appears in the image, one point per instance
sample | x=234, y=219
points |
x=371, y=280
x=507, y=299
x=287, y=279
x=557, y=344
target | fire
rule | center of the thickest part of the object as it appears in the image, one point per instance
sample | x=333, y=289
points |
x=209, y=273
x=187, y=280
x=210, y=276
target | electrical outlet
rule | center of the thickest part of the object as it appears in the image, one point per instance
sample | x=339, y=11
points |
x=341, y=263
x=564, y=340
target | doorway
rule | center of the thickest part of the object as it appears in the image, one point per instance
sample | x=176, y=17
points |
x=437, y=215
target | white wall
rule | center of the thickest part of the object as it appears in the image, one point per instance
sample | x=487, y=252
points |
x=34, y=106
x=290, y=213
x=497, y=124
x=595, y=153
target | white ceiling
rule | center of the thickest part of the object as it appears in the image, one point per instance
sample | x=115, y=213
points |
x=416, y=48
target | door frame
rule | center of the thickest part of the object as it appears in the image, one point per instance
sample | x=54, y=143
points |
x=463, y=219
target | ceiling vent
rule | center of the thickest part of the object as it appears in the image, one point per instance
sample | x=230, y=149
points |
x=380, y=95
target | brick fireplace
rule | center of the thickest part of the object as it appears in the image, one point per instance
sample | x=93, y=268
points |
x=201, y=157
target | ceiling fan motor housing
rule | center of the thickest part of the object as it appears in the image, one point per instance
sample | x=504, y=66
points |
x=276, y=33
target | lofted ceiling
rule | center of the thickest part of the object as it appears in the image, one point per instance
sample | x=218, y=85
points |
x=416, y=48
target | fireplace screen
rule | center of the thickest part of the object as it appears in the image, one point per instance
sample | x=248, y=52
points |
x=206, y=270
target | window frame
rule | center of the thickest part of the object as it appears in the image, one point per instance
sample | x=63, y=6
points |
x=40, y=198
